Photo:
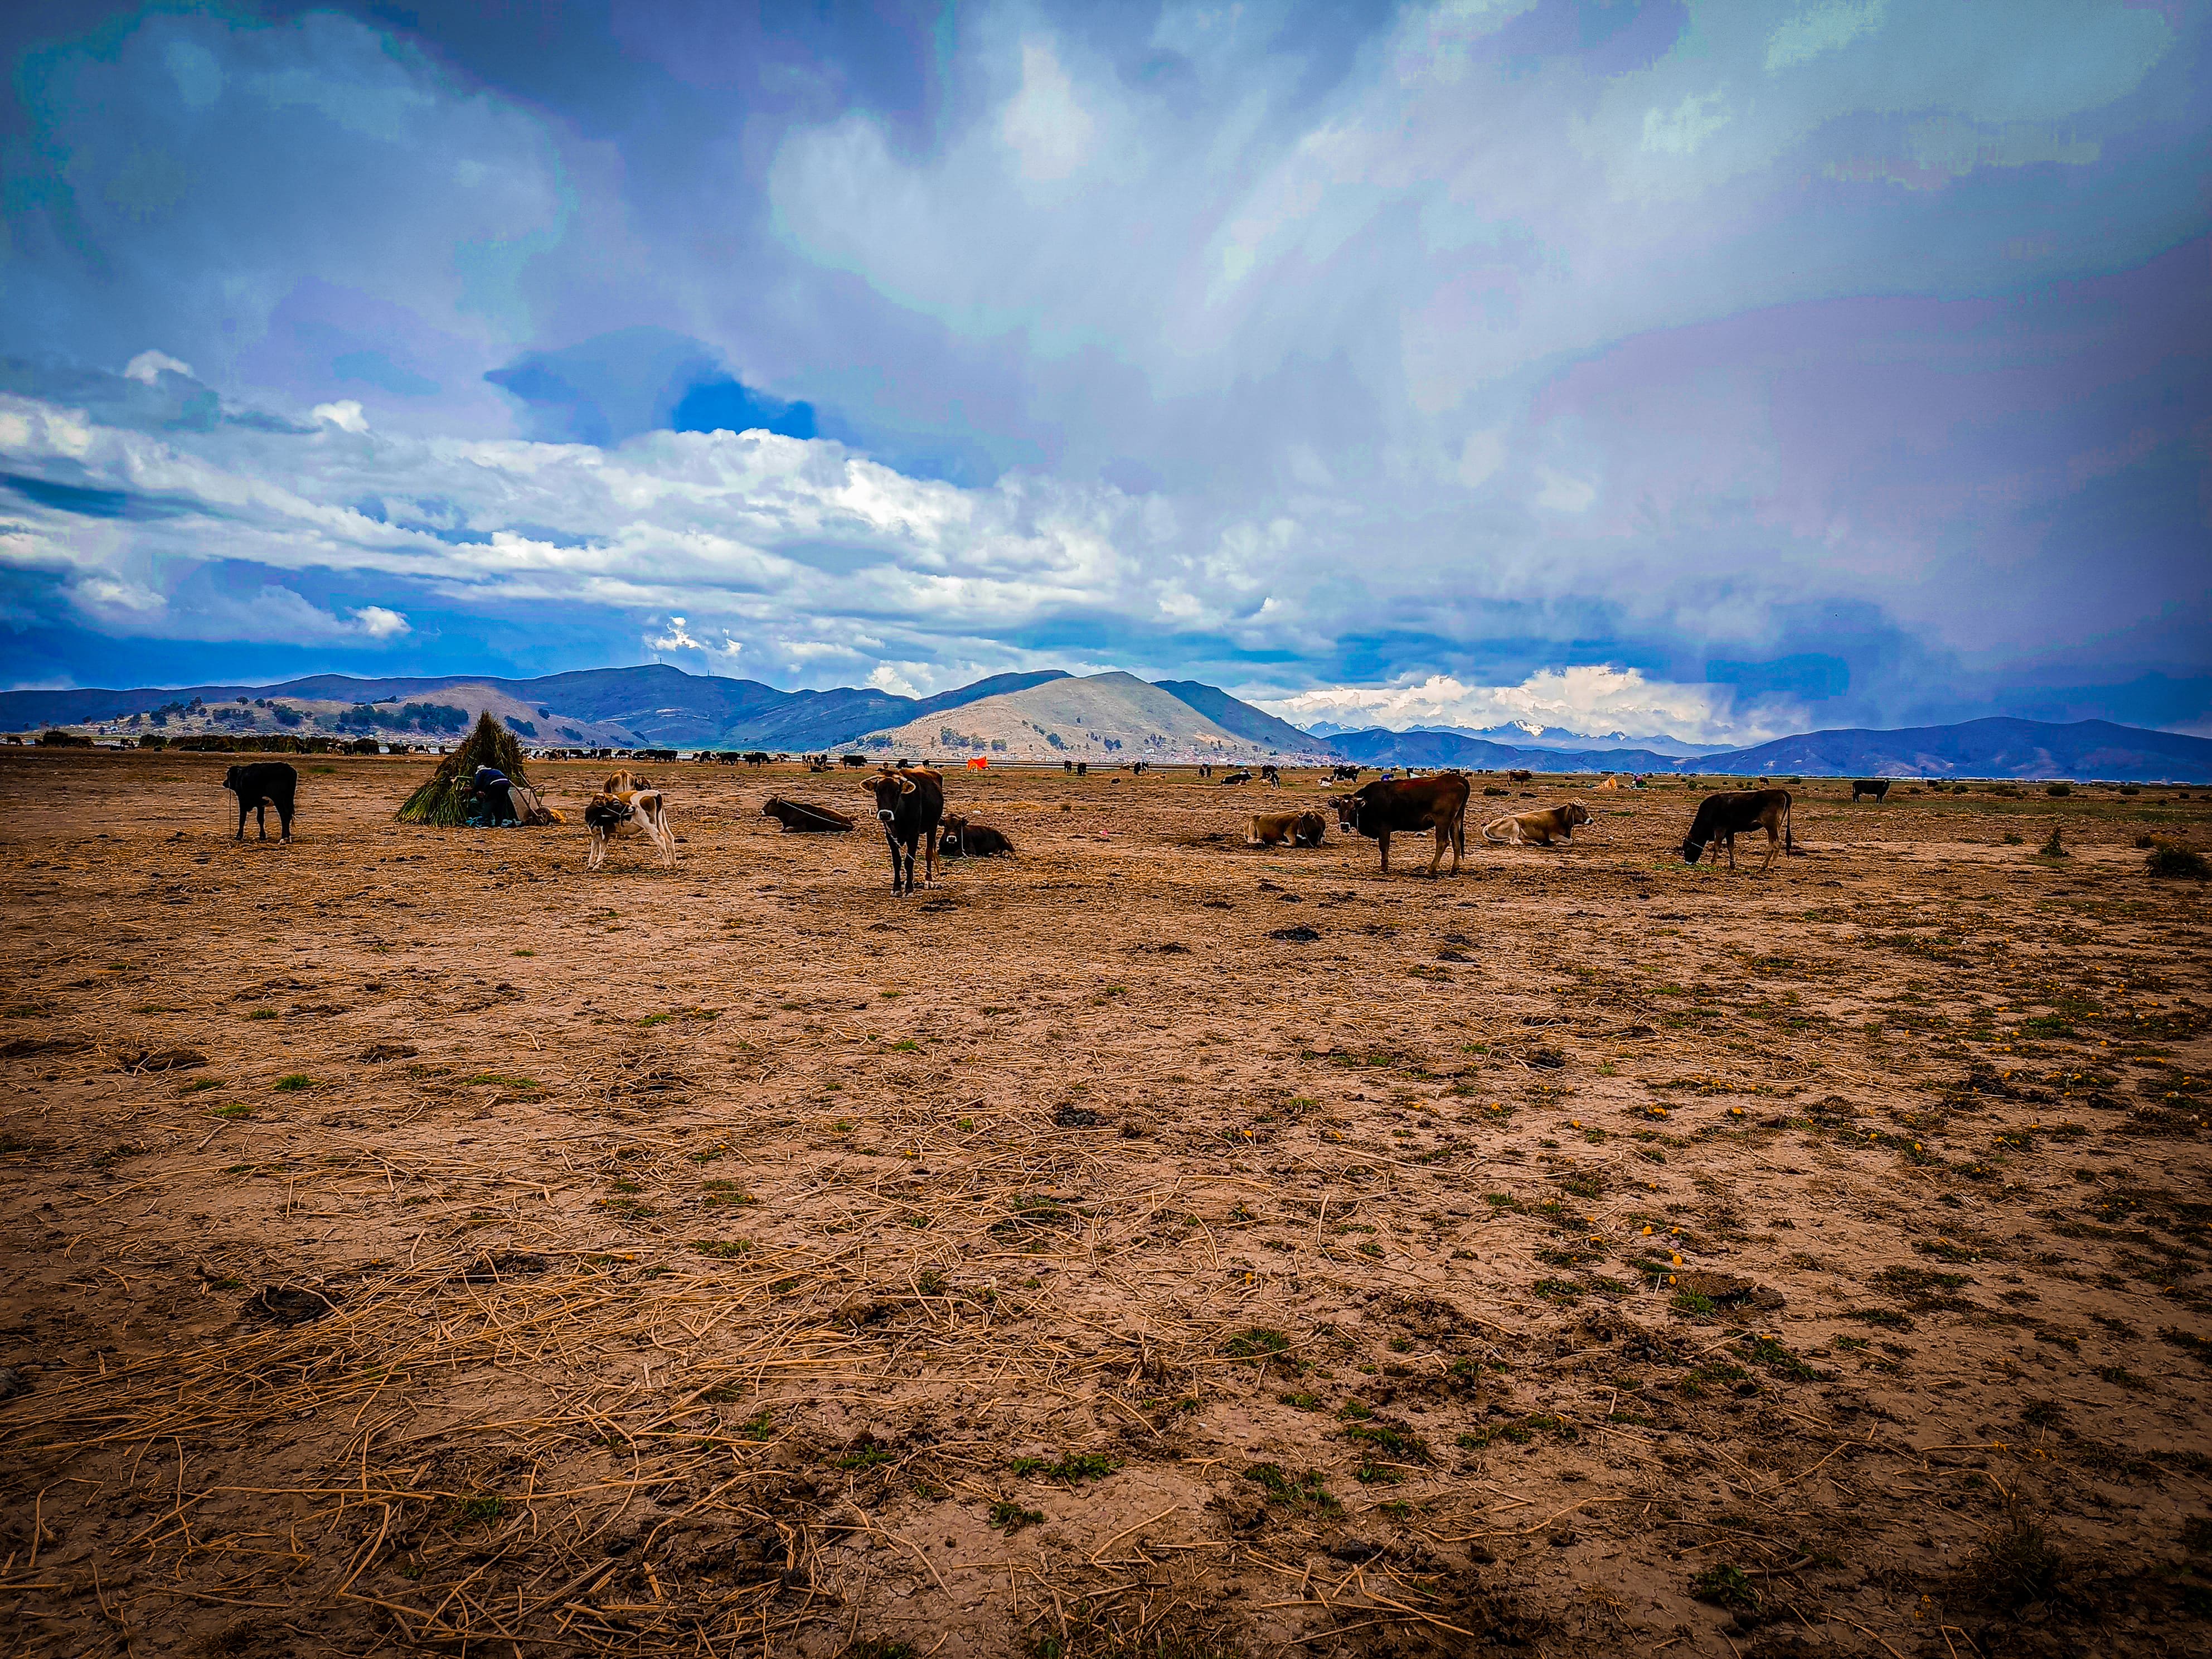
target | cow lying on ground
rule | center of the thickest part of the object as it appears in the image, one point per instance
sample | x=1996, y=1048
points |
x=1536, y=829
x=963, y=840
x=628, y=800
x=800, y=817
x=909, y=802
x=1723, y=817
x=1878, y=787
x=259, y=786
x=1286, y=829
x=1238, y=776
x=1392, y=806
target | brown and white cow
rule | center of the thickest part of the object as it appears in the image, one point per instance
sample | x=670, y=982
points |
x=628, y=800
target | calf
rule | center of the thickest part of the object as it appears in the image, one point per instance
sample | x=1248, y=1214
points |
x=1878, y=787
x=1403, y=805
x=1286, y=829
x=963, y=840
x=628, y=799
x=909, y=802
x=800, y=817
x=1536, y=829
x=259, y=786
x=1723, y=817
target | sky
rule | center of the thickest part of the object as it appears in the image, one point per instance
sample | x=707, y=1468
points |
x=1713, y=370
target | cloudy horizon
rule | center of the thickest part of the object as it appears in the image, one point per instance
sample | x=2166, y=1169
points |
x=1706, y=371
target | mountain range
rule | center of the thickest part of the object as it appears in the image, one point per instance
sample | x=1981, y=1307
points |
x=1103, y=716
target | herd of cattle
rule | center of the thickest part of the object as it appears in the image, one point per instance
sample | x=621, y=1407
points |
x=910, y=806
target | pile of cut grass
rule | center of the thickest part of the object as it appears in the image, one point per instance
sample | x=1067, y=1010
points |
x=449, y=796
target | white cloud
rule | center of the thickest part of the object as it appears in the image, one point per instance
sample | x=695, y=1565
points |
x=1046, y=124
x=148, y=367
x=344, y=414
x=380, y=623
x=1821, y=29
x=1682, y=129
x=886, y=677
x=1593, y=700
x=676, y=639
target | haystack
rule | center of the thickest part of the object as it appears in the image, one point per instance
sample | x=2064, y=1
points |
x=450, y=794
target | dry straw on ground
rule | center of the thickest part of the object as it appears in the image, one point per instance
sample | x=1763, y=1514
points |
x=1141, y=1245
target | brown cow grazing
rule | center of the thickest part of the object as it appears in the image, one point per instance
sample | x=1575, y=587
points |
x=1536, y=829
x=963, y=840
x=1401, y=805
x=800, y=817
x=1878, y=787
x=1303, y=829
x=1723, y=817
x=909, y=802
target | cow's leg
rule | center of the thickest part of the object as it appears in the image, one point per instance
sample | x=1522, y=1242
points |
x=597, y=856
x=1443, y=839
x=261, y=820
x=1773, y=846
x=929, y=858
x=242, y=810
x=890, y=838
x=1382, y=840
x=284, y=819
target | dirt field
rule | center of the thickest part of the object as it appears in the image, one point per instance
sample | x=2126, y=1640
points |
x=1141, y=1246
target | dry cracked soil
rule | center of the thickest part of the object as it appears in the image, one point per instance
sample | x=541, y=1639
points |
x=1138, y=1246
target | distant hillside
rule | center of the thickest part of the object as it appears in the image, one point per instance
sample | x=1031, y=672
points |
x=1380, y=747
x=1104, y=717
x=1993, y=748
x=651, y=705
x=1253, y=724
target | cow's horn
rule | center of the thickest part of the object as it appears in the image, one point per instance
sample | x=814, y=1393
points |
x=906, y=786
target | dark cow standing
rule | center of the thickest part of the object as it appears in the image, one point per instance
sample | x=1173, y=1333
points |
x=1392, y=806
x=1344, y=774
x=259, y=786
x=963, y=839
x=1878, y=787
x=1723, y=817
x=910, y=803
x=1271, y=775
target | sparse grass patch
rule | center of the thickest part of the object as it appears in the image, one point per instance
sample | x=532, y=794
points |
x=294, y=1080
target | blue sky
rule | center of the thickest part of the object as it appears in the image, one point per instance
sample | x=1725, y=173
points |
x=1713, y=369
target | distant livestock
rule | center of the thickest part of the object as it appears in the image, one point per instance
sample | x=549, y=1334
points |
x=259, y=786
x=1286, y=829
x=1238, y=776
x=1520, y=774
x=800, y=817
x=1392, y=806
x=1536, y=829
x=910, y=803
x=627, y=801
x=1344, y=774
x=1271, y=775
x=1878, y=787
x=1724, y=817
x=963, y=840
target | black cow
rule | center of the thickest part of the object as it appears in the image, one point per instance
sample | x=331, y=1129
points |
x=1272, y=774
x=259, y=786
x=963, y=840
x=798, y=817
x=1240, y=775
x=1878, y=787
x=1400, y=806
x=1724, y=817
x=909, y=802
x=1344, y=774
